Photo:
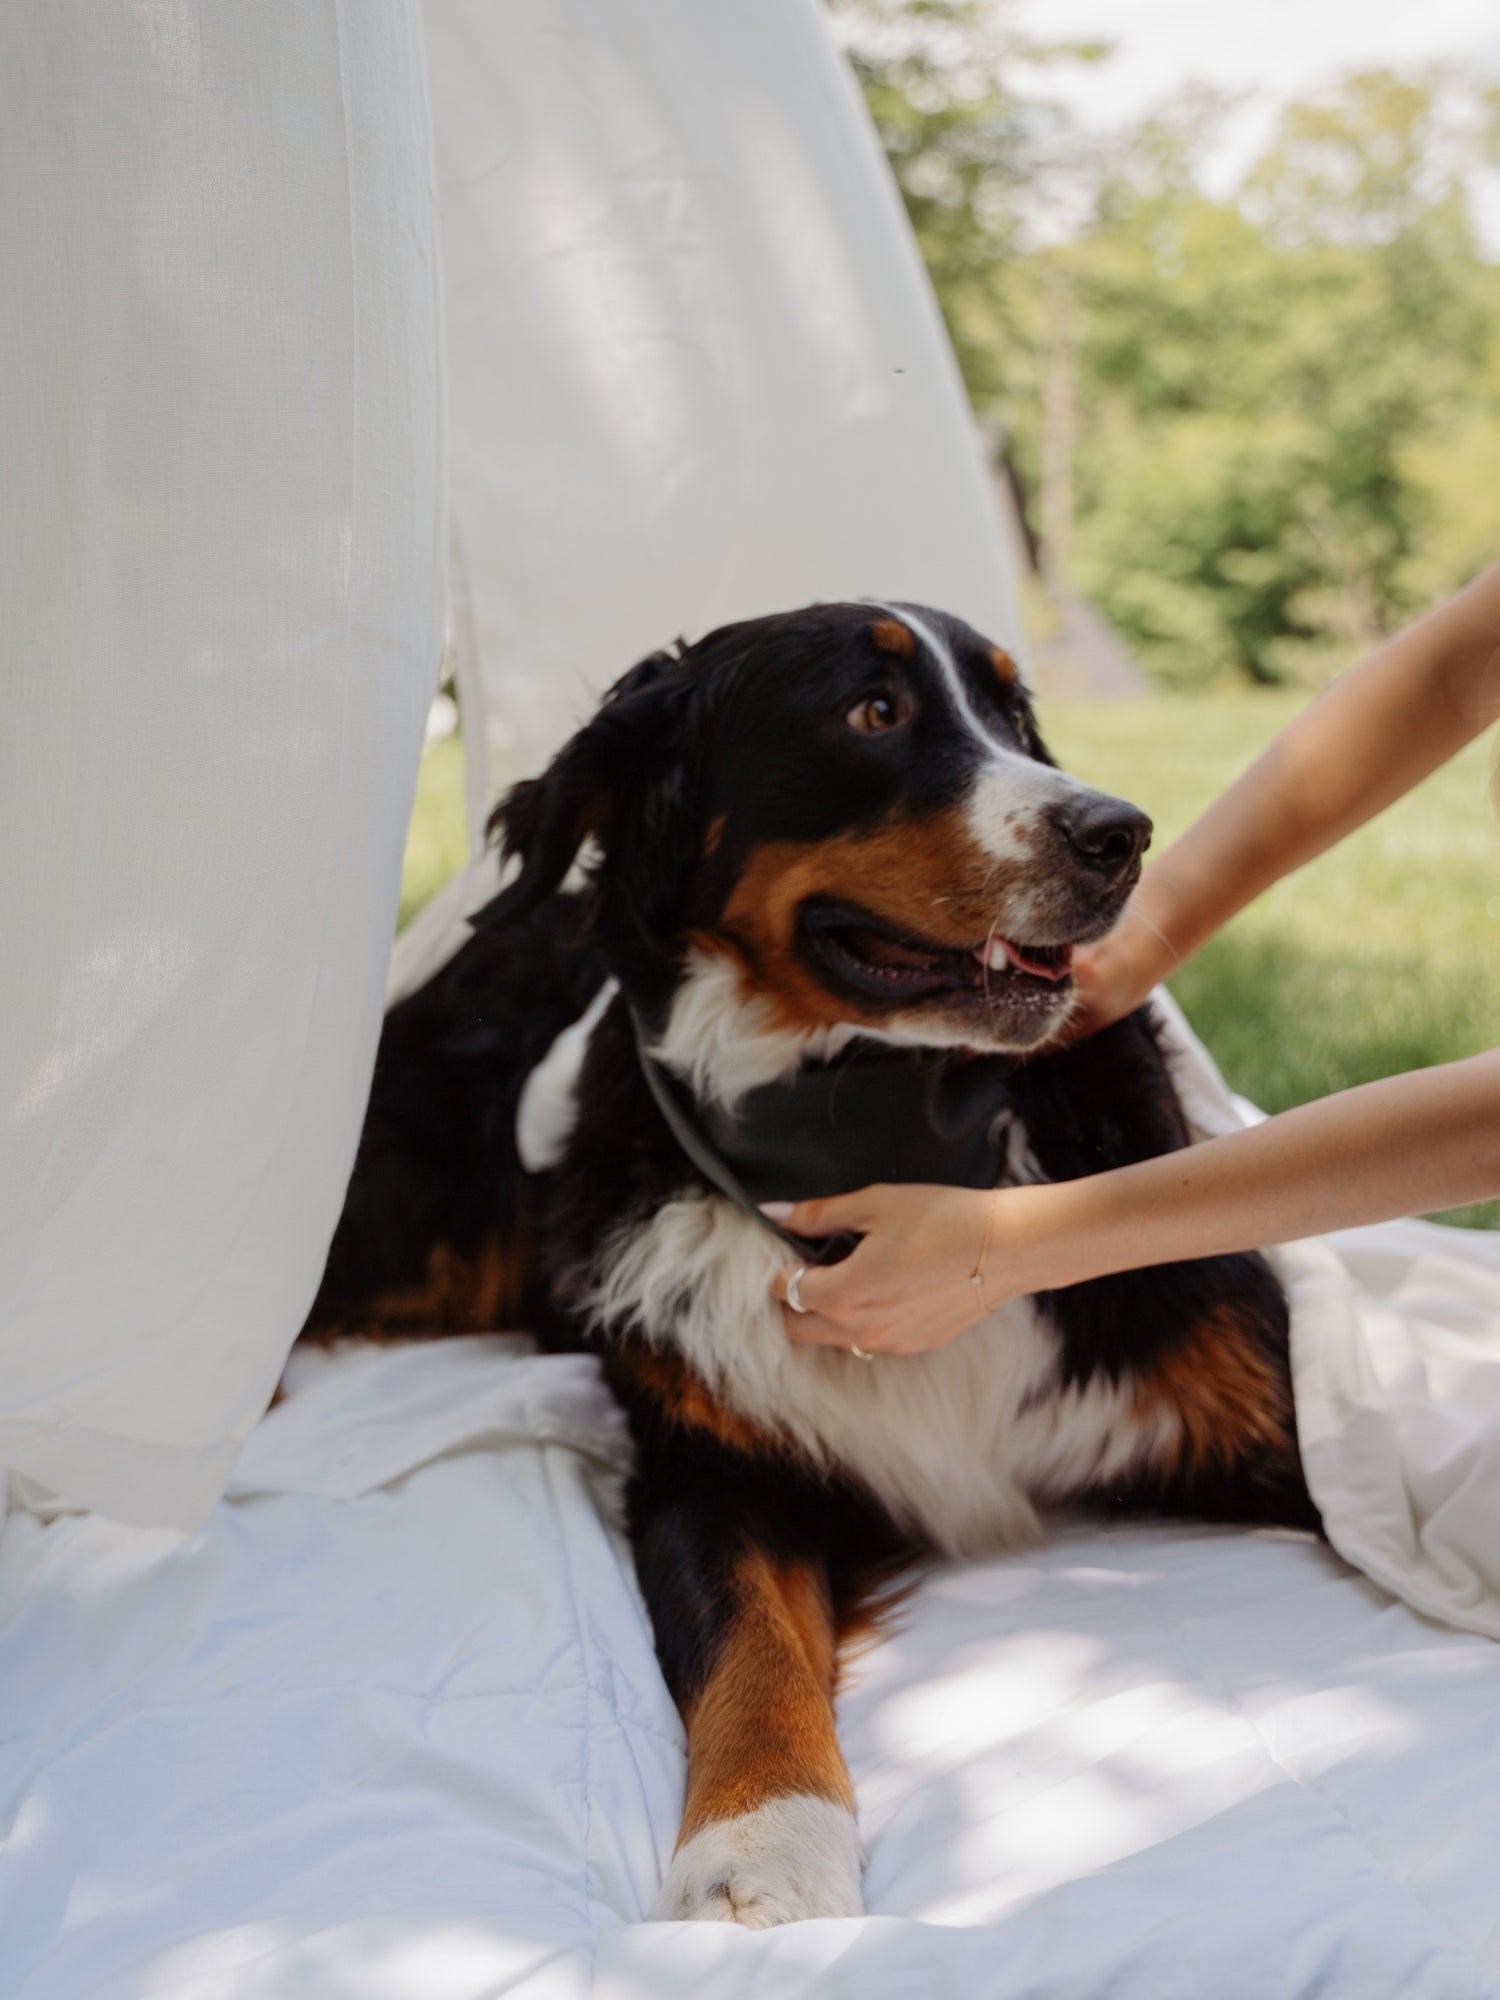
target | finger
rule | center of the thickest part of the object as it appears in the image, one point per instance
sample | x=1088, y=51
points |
x=812, y=1329
x=819, y=1290
x=825, y=1217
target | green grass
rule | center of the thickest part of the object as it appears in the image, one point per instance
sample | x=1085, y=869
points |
x=437, y=841
x=1382, y=956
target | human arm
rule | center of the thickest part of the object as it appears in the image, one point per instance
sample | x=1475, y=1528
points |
x=1377, y=732
x=1427, y=1140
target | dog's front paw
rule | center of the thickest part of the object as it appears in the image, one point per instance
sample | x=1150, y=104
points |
x=792, y=1858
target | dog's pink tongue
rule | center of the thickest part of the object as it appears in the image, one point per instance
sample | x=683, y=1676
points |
x=1060, y=969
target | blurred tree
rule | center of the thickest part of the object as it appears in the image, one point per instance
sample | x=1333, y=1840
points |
x=1379, y=160
x=977, y=156
x=1266, y=428
x=1263, y=381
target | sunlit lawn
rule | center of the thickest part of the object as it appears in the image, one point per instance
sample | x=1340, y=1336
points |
x=1383, y=956
x=437, y=839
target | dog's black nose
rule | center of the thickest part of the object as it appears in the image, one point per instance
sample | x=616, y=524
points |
x=1106, y=834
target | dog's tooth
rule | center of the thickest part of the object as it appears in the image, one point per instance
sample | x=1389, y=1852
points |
x=998, y=957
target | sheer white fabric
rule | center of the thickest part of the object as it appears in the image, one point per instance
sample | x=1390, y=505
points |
x=697, y=372
x=221, y=566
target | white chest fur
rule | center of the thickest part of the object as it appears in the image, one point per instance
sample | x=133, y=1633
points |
x=960, y=1444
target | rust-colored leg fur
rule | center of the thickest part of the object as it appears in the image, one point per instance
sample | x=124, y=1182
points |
x=762, y=1728
x=768, y=1831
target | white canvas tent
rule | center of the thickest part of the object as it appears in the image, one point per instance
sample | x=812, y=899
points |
x=696, y=371
x=386, y=1722
x=695, y=374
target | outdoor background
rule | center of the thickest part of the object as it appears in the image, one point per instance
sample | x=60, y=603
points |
x=1227, y=305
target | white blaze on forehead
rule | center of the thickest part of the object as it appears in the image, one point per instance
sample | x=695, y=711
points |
x=1012, y=793
x=953, y=680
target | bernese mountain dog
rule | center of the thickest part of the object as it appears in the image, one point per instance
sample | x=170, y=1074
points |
x=822, y=863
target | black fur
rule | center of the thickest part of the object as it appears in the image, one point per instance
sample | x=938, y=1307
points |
x=694, y=1505
x=697, y=758
x=437, y=1162
x=1110, y=1102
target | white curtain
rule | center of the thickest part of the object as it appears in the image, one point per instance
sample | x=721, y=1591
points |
x=221, y=552
x=697, y=372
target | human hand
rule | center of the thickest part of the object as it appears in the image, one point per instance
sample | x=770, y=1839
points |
x=908, y=1285
x=1112, y=978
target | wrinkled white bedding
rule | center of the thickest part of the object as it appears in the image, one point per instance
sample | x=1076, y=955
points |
x=1396, y=1373
x=391, y=1728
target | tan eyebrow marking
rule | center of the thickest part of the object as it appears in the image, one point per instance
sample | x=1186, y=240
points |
x=953, y=680
x=891, y=636
x=1003, y=664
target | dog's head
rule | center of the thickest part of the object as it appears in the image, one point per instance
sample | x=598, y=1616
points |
x=841, y=818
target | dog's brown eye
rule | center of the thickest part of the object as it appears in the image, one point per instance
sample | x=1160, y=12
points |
x=876, y=712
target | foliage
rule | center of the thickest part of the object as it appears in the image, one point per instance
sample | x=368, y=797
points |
x=973, y=157
x=1288, y=402
x=437, y=840
x=1266, y=381
x=1378, y=958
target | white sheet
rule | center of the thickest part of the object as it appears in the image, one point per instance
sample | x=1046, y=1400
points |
x=391, y=1728
x=1396, y=1373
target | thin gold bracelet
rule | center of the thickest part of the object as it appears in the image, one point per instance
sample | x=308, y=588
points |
x=976, y=1276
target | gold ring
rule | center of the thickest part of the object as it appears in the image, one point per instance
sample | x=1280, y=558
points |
x=794, y=1289
x=859, y=1353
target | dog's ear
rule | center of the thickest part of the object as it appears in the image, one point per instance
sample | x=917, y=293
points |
x=613, y=765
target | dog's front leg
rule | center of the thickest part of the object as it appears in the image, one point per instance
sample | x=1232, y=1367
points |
x=745, y=1633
